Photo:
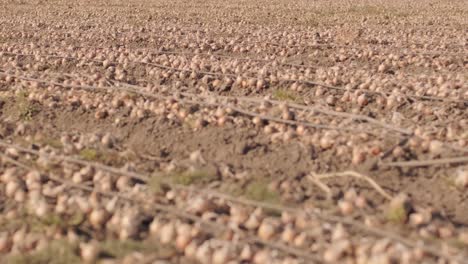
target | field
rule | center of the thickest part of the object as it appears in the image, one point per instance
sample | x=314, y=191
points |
x=267, y=131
